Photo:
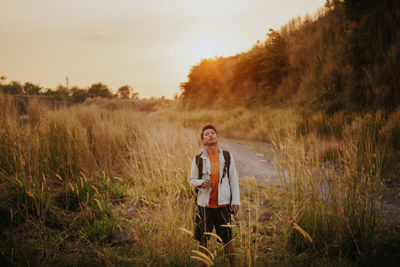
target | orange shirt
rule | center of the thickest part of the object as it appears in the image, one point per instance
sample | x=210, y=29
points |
x=214, y=161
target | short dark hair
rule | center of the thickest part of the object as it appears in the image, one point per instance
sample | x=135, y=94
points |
x=209, y=126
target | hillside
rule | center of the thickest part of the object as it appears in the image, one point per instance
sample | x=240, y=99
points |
x=344, y=57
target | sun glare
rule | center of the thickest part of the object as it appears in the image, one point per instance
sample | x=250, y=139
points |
x=206, y=49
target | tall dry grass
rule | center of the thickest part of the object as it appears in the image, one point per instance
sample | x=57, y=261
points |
x=72, y=177
x=335, y=202
x=331, y=169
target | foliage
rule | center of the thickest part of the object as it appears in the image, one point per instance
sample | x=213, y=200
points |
x=13, y=87
x=99, y=89
x=372, y=51
x=78, y=95
x=208, y=82
x=64, y=93
x=126, y=91
x=344, y=57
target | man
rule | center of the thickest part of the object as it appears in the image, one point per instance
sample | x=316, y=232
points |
x=217, y=191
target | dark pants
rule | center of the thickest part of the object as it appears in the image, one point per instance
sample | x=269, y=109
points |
x=208, y=218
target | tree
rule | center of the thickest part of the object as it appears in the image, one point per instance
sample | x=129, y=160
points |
x=14, y=87
x=274, y=64
x=99, y=89
x=31, y=89
x=127, y=91
x=371, y=48
x=124, y=91
x=62, y=92
x=207, y=82
x=2, y=79
x=135, y=95
x=78, y=94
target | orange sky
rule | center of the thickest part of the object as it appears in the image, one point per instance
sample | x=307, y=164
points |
x=150, y=45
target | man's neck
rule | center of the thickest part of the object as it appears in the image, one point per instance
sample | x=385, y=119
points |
x=212, y=149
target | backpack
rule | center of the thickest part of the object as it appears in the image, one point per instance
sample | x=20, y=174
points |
x=199, y=163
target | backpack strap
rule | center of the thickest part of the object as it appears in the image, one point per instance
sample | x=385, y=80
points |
x=199, y=163
x=227, y=158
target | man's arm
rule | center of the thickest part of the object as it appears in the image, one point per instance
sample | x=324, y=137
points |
x=234, y=183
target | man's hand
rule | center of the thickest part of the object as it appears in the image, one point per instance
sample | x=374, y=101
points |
x=235, y=209
x=207, y=183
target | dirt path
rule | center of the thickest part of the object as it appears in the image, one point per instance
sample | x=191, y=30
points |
x=255, y=159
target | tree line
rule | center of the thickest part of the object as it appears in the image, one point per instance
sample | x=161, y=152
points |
x=345, y=56
x=64, y=92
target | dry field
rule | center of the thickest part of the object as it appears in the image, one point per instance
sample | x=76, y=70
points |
x=107, y=184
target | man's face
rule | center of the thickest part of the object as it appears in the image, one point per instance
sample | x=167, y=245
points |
x=210, y=137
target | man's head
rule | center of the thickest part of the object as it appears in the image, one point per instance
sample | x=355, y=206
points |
x=209, y=135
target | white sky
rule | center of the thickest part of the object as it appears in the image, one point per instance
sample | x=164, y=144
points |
x=148, y=44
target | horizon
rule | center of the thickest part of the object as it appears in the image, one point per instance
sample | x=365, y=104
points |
x=149, y=45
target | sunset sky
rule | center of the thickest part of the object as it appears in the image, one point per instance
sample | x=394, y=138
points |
x=149, y=45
